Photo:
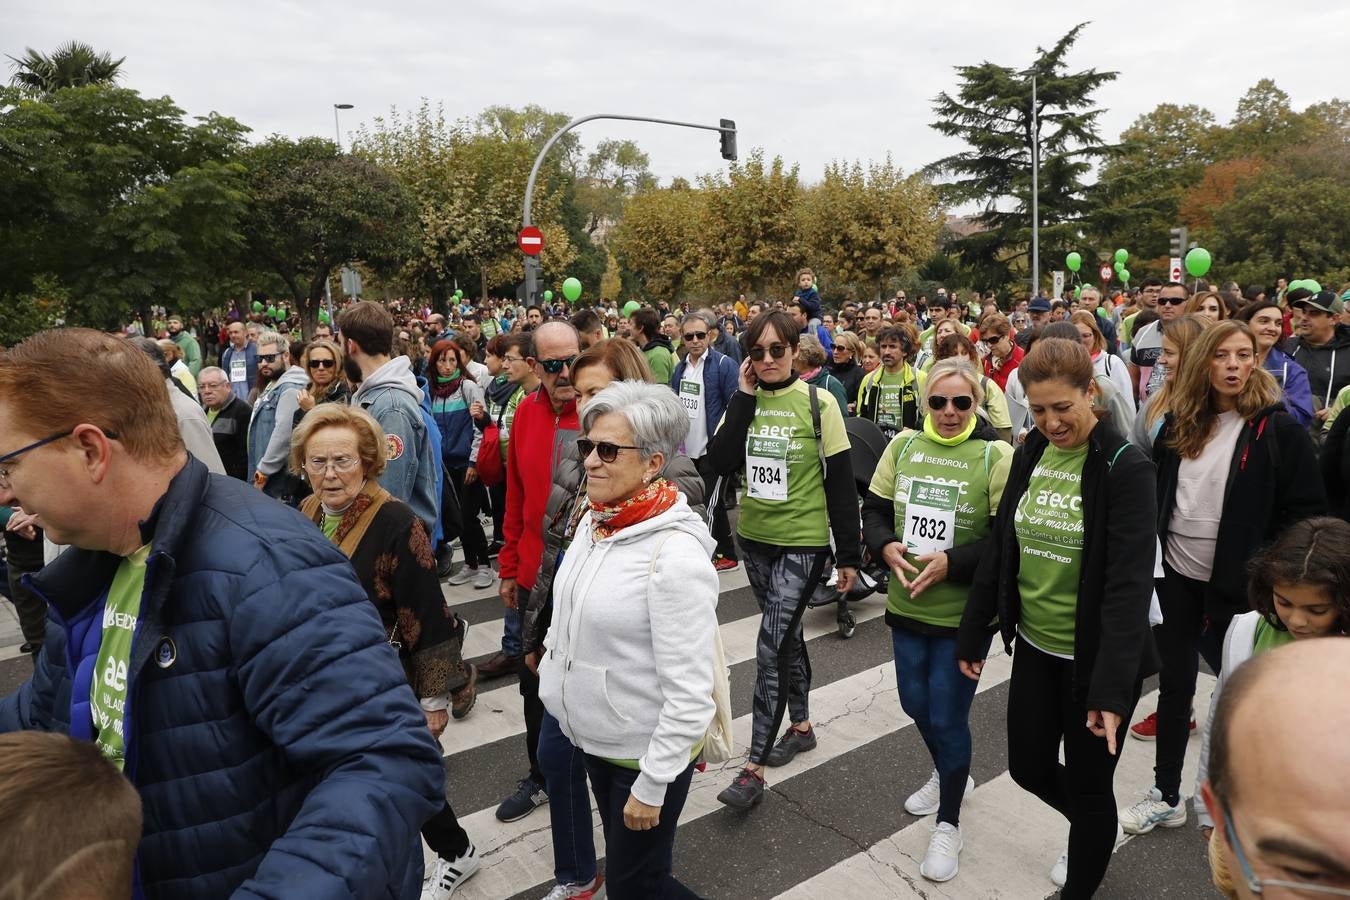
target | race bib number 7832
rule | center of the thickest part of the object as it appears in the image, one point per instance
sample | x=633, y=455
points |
x=930, y=516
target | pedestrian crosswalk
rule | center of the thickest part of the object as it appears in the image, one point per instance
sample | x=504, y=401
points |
x=833, y=822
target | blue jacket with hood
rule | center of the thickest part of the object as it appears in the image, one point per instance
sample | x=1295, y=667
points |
x=269, y=726
x=395, y=397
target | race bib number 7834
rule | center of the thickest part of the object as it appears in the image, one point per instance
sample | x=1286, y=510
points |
x=766, y=468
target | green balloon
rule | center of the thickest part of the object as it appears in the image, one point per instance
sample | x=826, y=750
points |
x=1073, y=261
x=1077, y=292
x=1122, y=255
x=548, y=296
x=631, y=307
x=1119, y=267
x=572, y=289
x=271, y=312
x=459, y=293
x=1198, y=262
x=257, y=306
x=1125, y=276
x=324, y=318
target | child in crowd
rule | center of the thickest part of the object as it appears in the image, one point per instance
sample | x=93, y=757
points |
x=809, y=297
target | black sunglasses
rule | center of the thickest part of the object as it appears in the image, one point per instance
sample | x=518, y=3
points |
x=554, y=366
x=604, y=449
x=777, y=351
x=962, y=402
x=1171, y=301
x=267, y=357
x=695, y=335
x=322, y=363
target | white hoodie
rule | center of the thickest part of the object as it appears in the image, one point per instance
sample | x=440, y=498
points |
x=628, y=661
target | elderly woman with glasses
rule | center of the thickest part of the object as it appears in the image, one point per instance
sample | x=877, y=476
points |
x=929, y=514
x=628, y=663
x=341, y=452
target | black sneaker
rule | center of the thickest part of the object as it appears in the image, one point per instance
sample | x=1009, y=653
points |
x=792, y=743
x=445, y=561
x=527, y=798
x=745, y=792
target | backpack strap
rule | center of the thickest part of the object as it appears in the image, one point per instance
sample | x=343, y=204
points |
x=815, y=427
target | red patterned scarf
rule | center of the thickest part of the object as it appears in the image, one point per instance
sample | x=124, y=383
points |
x=608, y=520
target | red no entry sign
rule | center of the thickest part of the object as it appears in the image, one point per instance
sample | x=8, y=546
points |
x=1106, y=273
x=530, y=240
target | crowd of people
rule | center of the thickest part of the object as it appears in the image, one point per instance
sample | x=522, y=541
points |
x=228, y=565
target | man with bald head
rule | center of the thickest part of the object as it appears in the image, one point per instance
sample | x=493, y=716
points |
x=1277, y=785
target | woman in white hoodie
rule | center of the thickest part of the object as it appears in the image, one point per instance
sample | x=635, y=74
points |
x=628, y=661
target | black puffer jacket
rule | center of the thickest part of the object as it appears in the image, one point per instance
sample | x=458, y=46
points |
x=569, y=489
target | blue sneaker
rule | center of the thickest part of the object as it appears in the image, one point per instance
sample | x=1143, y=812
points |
x=528, y=797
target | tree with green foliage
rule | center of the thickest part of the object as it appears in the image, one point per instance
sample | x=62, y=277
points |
x=116, y=202
x=991, y=113
x=748, y=225
x=862, y=225
x=315, y=208
x=72, y=64
x=615, y=171
x=659, y=239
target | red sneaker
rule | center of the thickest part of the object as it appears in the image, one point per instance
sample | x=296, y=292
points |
x=1147, y=730
x=722, y=564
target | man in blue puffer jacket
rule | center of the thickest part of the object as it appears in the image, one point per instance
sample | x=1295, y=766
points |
x=213, y=644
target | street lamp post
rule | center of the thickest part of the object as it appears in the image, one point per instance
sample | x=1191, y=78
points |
x=726, y=128
x=1035, y=195
x=337, y=129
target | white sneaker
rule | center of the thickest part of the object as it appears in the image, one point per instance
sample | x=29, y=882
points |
x=1150, y=812
x=944, y=847
x=462, y=576
x=925, y=801
x=449, y=874
x=1059, y=872
x=484, y=578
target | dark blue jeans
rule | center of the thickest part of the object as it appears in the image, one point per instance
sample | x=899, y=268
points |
x=935, y=694
x=513, y=630
x=638, y=863
x=569, y=806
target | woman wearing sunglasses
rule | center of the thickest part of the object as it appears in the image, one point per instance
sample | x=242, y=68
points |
x=791, y=440
x=628, y=663
x=322, y=362
x=1068, y=575
x=929, y=513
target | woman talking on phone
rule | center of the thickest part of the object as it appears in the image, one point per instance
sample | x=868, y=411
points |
x=799, y=493
x=1064, y=577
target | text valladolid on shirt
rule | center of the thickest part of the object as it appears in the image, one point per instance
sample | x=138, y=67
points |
x=1049, y=528
x=108, y=687
x=784, y=502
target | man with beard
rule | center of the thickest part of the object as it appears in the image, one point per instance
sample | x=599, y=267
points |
x=889, y=394
x=192, y=351
x=269, y=428
x=472, y=329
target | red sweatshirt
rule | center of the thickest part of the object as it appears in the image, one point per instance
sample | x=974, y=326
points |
x=534, y=448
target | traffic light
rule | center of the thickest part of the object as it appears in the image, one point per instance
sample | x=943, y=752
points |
x=1178, y=242
x=728, y=139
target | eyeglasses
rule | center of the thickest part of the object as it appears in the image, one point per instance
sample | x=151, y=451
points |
x=962, y=402
x=604, y=449
x=268, y=357
x=322, y=363
x=5, y=470
x=1258, y=885
x=1171, y=301
x=341, y=464
x=695, y=335
x=777, y=351
x=511, y=359
x=554, y=366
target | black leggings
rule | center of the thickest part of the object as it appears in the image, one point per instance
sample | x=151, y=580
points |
x=471, y=501
x=1042, y=710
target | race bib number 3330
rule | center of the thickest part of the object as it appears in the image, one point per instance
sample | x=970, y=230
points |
x=766, y=468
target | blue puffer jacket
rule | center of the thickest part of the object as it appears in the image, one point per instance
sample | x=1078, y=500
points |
x=721, y=377
x=270, y=729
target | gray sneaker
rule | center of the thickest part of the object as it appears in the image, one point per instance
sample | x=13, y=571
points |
x=462, y=576
x=484, y=577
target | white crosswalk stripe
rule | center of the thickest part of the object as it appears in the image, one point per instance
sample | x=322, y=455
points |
x=1011, y=838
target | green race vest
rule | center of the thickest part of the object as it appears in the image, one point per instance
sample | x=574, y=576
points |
x=1049, y=528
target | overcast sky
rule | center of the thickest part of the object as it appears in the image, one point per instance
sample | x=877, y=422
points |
x=812, y=81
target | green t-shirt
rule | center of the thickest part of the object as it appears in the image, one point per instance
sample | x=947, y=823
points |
x=1268, y=637
x=330, y=525
x=211, y=415
x=979, y=469
x=1337, y=406
x=894, y=392
x=784, y=501
x=108, y=689
x=662, y=363
x=1127, y=329
x=1049, y=528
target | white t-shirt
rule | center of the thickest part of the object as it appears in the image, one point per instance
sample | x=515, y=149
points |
x=691, y=393
x=1201, y=482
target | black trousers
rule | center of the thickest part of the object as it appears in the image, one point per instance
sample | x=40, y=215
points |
x=534, y=707
x=445, y=835
x=1185, y=635
x=1042, y=711
x=471, y=499
x=721, y=525
x=497, y=500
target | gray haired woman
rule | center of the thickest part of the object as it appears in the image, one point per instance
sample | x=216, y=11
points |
x=628, y=662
